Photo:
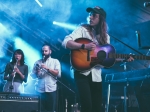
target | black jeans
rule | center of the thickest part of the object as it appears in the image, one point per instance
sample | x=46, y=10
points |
x=90, y=93
x=48, y=101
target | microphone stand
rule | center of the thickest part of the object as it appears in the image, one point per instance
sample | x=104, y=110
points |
x=75, y=96
x=43, y=60
x=11, y=87
x=45, y=71
x=126, y=44
x=55, y=78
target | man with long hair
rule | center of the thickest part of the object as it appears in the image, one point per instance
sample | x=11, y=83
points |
x=89, y=82
x=16, y=72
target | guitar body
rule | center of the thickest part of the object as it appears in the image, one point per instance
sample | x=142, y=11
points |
x=99, y=56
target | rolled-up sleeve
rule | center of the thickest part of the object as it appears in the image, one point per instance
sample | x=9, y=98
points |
x=58, y=67
x=77, y=33
x=108, y=39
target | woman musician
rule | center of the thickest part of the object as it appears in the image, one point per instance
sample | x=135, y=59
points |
x=16, y=72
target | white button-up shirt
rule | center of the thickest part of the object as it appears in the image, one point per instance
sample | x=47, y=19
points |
x=82, y=32
x=44, y=81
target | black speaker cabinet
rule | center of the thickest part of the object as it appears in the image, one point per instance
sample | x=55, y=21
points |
x=13, y=102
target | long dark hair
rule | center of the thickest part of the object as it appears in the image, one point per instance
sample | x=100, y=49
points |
x=18, y=51
x=101, y=29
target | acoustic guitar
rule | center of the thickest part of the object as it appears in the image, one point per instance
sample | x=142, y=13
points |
x=104, y=55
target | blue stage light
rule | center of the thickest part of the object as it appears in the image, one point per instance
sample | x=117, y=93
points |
x=65, y=25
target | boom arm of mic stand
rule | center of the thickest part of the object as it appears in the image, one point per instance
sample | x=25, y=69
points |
x=126, y=44
x=57, y=80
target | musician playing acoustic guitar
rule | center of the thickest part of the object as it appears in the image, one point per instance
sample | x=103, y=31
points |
x=89, y=82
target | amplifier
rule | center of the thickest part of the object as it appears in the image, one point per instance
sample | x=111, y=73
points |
x=14, y=102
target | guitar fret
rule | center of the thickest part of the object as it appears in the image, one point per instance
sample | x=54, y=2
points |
x=143, y=57
x=140, y=57
x=122, y=55
x=148, y=58
x=116, y=55
x=119, y=55
x=135, y=57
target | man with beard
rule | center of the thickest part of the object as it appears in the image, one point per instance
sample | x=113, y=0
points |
x=45, y=71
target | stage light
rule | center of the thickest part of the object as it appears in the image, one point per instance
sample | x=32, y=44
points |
x=38, y=3
x=65, y=25
x=54, y=22
x=31, y=54
x=4, y=34
x=4, y=30
x=2, y=54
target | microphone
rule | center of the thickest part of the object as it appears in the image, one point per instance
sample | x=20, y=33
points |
x=16, y=60
x=15, y=66
x=146, y=4
x=37, y=65
x=43, y=59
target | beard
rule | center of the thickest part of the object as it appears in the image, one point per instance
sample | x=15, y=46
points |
x=45, y=57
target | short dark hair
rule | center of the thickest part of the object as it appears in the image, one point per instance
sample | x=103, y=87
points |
x=46, y=45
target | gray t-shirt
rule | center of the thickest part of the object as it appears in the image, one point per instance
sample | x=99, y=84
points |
x=23, y=69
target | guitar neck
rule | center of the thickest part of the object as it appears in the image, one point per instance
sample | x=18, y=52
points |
x=124, y=56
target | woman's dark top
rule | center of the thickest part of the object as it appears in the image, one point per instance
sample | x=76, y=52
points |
x=23, y=69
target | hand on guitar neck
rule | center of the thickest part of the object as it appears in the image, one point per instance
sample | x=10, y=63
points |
x=128, y=59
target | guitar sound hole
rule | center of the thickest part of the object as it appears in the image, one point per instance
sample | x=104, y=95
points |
x=101, y=55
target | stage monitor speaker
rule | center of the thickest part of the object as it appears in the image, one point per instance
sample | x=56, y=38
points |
x=13, y=102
